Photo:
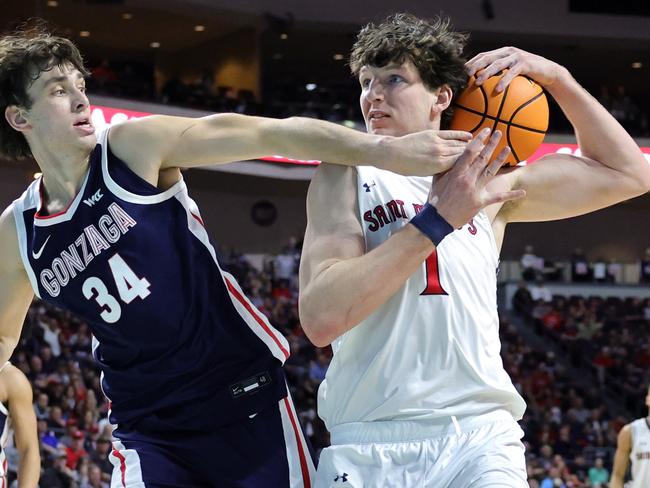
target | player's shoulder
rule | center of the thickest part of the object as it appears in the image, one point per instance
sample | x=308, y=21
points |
x=13, y=378
x=625, y=434
x=8, y=227
x=331, y=180
x=9, y=245
x=142, y=143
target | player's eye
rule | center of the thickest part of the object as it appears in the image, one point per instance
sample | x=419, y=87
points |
x=365, y=82
x=395, y=79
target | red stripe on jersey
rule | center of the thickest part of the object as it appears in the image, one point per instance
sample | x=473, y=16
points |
x=38, y=211
x=122, y=459
x=255, y=314
x=301, y=447
x=198, y=218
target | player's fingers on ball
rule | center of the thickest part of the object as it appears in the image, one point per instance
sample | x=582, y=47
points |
x=486, y=152
x=494, y=68
x=472, y=150
x=479, y=61
x=495, y=166
x=513, y=70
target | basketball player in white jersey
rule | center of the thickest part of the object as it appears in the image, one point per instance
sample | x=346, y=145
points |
x=17, y=416
x=416, y=393
x=633, y=445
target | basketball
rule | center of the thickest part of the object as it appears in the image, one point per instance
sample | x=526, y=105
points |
x=520, y=112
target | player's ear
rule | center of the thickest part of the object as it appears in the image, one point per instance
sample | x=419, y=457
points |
x=15, y=118
x=444, y=97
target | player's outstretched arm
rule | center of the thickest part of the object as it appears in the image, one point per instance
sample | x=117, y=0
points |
x=166, y=141
x=611, y=168
x=24, y=424
x=15, y=290
x=340, y=284
x=622, y=457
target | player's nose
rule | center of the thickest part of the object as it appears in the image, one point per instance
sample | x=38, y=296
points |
x=375, y=91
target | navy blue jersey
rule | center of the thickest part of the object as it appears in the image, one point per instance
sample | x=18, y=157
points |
x=177, y=341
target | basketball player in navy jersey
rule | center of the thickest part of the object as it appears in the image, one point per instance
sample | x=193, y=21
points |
x=192, y=370
x=416, y=393
x=17, y=419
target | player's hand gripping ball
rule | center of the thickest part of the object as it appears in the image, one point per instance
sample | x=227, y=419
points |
x=520, y=112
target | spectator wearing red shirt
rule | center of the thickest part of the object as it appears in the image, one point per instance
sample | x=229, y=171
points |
x=76, y=451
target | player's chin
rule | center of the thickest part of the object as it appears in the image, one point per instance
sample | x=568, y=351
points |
x=88, y=141
x=383, y=131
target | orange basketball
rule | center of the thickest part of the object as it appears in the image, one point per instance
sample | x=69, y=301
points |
x=520, y=112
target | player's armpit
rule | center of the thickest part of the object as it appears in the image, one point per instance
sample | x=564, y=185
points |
x=15, y=289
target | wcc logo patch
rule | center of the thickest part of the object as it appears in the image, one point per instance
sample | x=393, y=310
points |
x=95, y=198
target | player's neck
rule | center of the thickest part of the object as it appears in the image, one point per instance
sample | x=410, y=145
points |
x=62, y=177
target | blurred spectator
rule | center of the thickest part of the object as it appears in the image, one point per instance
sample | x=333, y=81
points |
x=522, y=300
x=539, y=291
x=579, y=266
x=602, y=362
x=99, y=456
x=614, y=271
x=104, y=78
x=532, y=266
x=94, y=478
x=598, y=475
x=58, y=475
x=76, y=450
x=600, y=270
x=644, y=267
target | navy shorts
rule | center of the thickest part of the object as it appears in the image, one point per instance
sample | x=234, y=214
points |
x=268, y=450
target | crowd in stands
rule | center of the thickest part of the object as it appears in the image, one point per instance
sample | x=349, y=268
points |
x=607, y=335
x=569, y=435
x=333, y=102
x=579, y=268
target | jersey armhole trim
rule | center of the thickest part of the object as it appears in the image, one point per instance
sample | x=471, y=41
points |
x=22, y=241
x=126, y=195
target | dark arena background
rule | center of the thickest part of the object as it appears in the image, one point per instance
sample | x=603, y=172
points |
x=574, y=296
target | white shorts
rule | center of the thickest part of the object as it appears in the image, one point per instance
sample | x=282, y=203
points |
x=474, y=452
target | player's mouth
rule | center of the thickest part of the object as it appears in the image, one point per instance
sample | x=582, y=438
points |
x=377, y=118
x=85, y=126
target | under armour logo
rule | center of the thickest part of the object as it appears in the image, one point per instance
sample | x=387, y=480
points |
x=341, y=477
x=94, y=199
x=367, y=186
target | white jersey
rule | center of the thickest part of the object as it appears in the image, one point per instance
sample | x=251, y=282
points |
x=432, y=351
x=640, y=454
x=5, y=428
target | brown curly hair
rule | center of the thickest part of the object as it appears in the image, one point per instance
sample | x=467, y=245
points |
x=23, y=57
x=434, y=49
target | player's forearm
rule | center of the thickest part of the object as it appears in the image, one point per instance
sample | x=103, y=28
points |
x=29, y=468
x=307, y=138
x=348, y=291
x=599, y=135
x=616, y=481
